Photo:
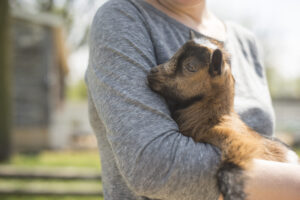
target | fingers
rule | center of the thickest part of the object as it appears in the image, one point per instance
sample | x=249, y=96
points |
x=220, y=197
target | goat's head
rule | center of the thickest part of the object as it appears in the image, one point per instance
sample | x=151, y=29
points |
x=197, y=70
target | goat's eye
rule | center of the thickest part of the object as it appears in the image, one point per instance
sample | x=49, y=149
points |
x=191, y=67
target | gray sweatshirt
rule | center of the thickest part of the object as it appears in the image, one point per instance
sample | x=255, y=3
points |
x=143, y=154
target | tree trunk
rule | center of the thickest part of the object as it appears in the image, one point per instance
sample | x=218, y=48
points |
x=5, y=82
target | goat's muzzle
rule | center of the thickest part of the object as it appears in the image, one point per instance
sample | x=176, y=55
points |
x=154, y=70
x=154, y=79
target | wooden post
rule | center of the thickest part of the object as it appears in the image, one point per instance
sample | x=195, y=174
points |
x=5, y=82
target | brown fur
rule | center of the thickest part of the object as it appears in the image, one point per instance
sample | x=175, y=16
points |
x=201, y=95
x=212, y=119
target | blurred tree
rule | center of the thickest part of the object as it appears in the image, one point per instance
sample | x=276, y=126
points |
x=77, y=92
x=46, y=5
x=281, y=87
x=273, y=80
x=298, y=87
x=66, y=9
x=5, y=79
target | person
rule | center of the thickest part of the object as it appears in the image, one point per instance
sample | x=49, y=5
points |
x=143, y=154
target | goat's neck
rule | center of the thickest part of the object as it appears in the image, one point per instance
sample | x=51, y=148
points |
x=206, y=113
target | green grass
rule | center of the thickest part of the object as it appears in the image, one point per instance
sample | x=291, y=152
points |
x=77, y=92
x=86, y=159
x=48, y=198
x=53, y=159
x=50, y=184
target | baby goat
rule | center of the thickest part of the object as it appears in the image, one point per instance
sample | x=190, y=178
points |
x=198, y=86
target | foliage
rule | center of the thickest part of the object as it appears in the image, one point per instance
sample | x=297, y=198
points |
x=67, y=10
x=77, y=92
x=5, y=82
x=281, y=87
x=297, y=151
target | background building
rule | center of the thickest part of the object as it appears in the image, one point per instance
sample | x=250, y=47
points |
x=39, y=72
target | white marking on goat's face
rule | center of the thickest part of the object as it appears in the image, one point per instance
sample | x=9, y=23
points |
x=205, y=43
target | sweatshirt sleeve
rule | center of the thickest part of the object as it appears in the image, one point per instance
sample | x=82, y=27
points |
x=154, y=158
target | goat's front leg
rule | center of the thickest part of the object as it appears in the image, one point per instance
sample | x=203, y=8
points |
x=239, y=149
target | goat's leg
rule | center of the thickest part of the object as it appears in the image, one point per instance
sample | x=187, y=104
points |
x=231, y=182
x=236, y=148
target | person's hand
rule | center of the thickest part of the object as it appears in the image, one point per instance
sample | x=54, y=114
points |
x=269, y=180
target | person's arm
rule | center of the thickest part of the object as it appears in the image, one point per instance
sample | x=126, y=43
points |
x=154, y=158
x=270, y=180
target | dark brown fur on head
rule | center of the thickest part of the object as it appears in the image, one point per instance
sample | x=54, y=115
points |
x=195, y=73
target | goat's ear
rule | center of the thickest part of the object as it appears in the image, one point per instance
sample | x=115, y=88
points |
x=215, y=67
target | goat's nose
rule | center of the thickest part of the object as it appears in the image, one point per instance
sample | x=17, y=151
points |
x=154, y=70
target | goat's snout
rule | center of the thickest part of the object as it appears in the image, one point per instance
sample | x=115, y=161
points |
x=154, y=79
x=154, y=70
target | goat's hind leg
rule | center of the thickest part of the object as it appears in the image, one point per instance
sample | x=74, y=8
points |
x=231, y=181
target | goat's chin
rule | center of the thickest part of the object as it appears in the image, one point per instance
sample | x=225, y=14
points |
x=171, y=104
x=155, y=88
x=154, y=84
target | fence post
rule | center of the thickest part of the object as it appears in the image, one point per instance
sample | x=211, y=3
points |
x=5, y=82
